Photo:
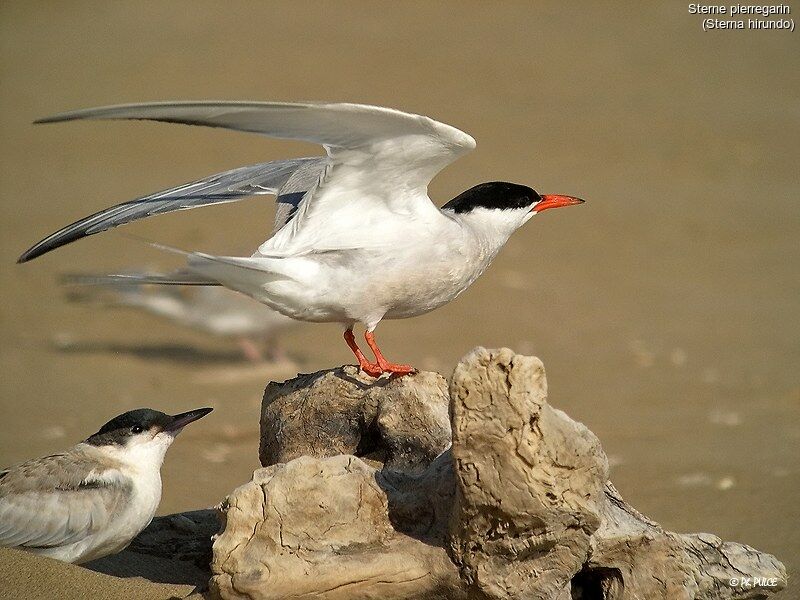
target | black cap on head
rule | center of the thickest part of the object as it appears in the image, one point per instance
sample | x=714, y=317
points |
x=128, y=424
x=134, y=422
x=499, y=195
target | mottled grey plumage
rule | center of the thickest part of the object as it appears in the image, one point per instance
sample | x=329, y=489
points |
x=58, y=500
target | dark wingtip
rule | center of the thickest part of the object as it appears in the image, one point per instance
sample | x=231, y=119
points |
x=58, y=118
x=33, y=252
x=62, y=237
x=26, y=256
x=53, y=119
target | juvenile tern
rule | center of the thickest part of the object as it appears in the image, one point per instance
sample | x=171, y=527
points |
x=357, y=239
x=92, y=499
x=212, y=310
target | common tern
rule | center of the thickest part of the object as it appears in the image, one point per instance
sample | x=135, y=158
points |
x=356, y=239
x=215, y=311
x=92, y=499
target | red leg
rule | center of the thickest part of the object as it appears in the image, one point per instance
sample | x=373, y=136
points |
x=363, y=364
x=250, y=350
x=384, y=364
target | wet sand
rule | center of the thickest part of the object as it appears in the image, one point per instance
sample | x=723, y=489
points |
x=665, y=309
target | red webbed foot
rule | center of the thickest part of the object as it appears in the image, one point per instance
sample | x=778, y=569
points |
x=381, y=365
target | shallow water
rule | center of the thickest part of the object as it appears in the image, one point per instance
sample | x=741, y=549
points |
x=665, y=309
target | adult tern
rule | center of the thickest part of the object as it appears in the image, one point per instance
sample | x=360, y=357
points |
x=357, y=239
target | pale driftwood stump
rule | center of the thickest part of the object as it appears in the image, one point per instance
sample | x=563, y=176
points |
x=520, y=507
x=530, y=480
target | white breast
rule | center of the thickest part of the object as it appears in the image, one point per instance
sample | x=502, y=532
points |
x=134, y=517
x=141, y=470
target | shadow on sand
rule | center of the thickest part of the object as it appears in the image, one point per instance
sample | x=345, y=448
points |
x=175, y=353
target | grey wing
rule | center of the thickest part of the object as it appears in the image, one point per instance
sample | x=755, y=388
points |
x=411, y=148
x=48, y=511
x=293, y=192
x=230, y=186
x=332, y=124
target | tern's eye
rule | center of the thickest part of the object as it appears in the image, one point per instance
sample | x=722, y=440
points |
x=137, y=429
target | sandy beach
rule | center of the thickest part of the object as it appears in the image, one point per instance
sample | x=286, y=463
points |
x=665, y=309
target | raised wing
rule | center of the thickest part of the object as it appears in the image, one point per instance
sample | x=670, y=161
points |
x=230, y=186
x=42, y=507
x=381, y=160
x=341, y=125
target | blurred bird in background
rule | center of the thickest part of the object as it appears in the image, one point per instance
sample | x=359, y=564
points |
x=215, y=311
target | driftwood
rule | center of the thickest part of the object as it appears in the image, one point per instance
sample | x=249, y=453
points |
x=362, y=497
x=403, y=423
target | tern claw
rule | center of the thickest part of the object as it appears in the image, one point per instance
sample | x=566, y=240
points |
x=382, y=365
x=396, y=369
x=371, y=369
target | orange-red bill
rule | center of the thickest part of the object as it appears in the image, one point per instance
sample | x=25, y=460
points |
x=555, y=201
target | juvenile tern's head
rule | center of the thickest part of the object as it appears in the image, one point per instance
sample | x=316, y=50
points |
x=142, y=434
x=92, y=499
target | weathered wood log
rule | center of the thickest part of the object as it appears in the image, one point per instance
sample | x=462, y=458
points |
x=402, y=422
x=519, y=507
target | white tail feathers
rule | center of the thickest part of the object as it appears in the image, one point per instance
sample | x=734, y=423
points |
x=245, y=275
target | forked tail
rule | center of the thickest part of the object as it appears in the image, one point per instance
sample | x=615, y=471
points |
x=177, y=277
x=242, y=274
